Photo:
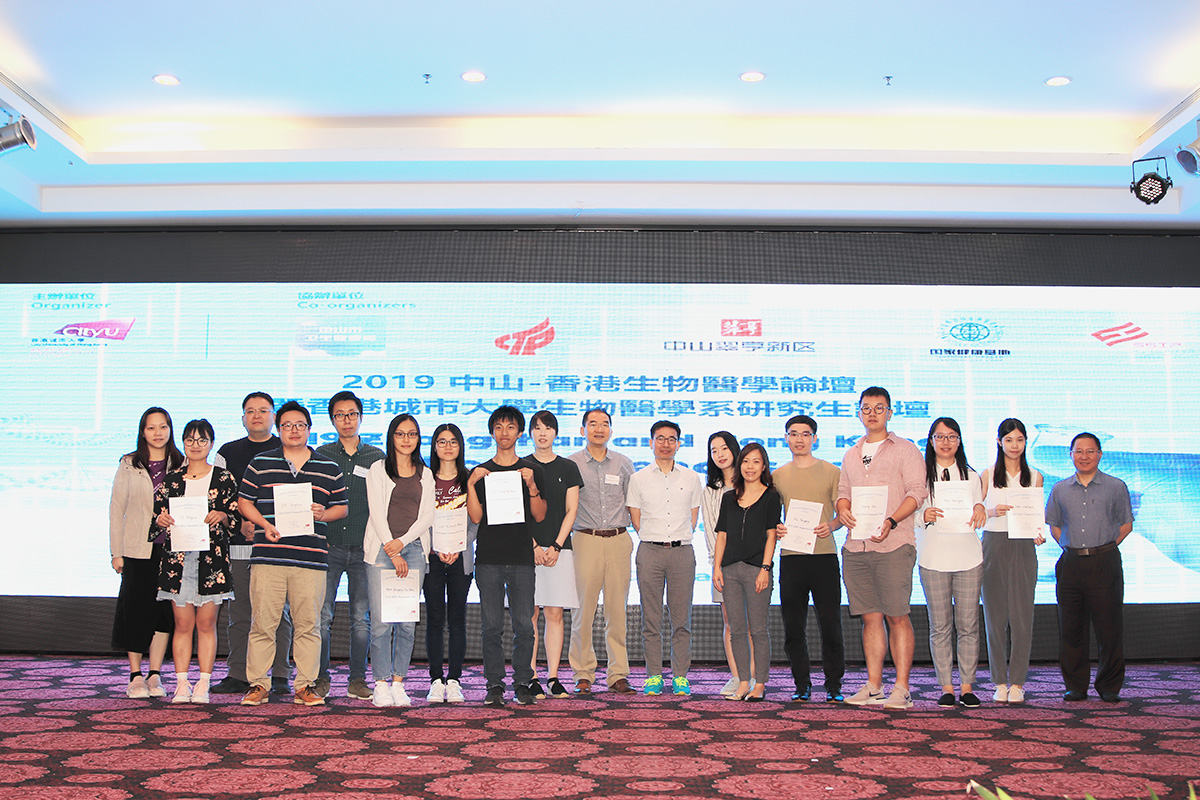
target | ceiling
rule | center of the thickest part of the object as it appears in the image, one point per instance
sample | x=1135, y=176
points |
x=615, y=113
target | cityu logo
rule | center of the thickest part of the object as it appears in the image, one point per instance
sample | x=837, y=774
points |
x=526, y=343
x=104, y=329
x=1121, y=334
x=741, y=327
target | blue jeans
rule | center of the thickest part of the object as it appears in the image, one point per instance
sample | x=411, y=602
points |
x=348, y=560
x=446, y=589
x=493, y=581
x=392, y=642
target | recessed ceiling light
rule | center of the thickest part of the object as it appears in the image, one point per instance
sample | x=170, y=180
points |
x=166, y=80
x=473, y=76
x=1058, y=80
x=752, y=77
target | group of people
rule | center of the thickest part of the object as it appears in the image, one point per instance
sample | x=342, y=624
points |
x=555, y=534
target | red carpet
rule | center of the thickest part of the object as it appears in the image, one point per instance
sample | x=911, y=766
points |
x=67, y=732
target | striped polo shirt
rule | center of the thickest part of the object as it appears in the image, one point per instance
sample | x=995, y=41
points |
x=271, y=469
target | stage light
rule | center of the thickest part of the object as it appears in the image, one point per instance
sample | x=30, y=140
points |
x=1151, y=187
x=16, y=134
x=1188, y=155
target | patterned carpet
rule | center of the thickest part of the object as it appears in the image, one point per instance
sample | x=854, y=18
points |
x=67, y=732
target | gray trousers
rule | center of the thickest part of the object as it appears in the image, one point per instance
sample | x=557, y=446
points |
x=1009, y=578
x=240, y=615
x=952, y=599
x=673, y=570
x=747, y=612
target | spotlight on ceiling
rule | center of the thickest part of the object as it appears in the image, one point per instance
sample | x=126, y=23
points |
x=1151, y=187
x=17, y=134
x=1188, y=155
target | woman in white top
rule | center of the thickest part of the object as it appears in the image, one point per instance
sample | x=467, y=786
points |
x=1009, y=567
x=950, y=561
x=723, y=450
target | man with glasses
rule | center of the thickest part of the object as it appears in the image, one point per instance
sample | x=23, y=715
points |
x=877, y=564
x=258, y=417
x=289, y=565
x=345, y=539
x=1089, y=514
x=664, y=502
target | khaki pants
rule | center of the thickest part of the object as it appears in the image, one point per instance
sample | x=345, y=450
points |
x=272, y=586
x=602, y=564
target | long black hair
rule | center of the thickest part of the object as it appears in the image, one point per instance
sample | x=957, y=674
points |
x=389, y=464
x=460, y=463
x=1000, y=471
x=960, y=455
x=739, y=483
x=141, y=456
x=716, y=476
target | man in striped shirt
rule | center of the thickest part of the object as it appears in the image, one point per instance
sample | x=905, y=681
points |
x=289, y=566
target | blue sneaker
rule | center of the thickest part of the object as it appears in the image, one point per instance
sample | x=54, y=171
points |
x=681, y=686
x=653, y=686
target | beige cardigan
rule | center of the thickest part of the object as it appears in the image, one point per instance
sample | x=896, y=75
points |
x=129, y=511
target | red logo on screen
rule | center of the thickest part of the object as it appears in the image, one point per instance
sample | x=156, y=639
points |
x=526, y=343
x=741, y=327
x=104, y=329
x=1121, y=334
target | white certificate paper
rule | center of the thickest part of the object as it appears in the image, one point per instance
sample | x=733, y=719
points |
x=400, y=599
x=293, y=509
x=802, y=517
x=505, y=500
x=554, y=587
x=957, y=506
x=189, y=531
x=868, y=504
x=450, y=530
x=1027, y=517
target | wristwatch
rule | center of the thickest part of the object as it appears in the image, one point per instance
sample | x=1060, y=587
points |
x=889, y=519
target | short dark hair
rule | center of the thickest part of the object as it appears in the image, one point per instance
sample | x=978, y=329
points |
x=875, y=391
x=342, y=397
x=545, y=417
x=292, y=405
x=802, y=419
x=507, y=414
x=200, y=426
x=666, y=423
x=253, y=395
x=594, y=410
x=1086, y=435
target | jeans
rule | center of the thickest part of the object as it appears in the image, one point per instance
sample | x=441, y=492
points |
x=493, y=581
x=348, y=560
x=446, y=589
x=391, y=642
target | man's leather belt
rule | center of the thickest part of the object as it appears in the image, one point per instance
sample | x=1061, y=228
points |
x=1092, y=551
x=603, y=533
x=665, y=544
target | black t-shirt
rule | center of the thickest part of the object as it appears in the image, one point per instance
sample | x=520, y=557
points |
x=238, y=454
x=746, y=528
x=511, y=544
x=561, y=475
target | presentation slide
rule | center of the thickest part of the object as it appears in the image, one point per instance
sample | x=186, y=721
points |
x=79, y=363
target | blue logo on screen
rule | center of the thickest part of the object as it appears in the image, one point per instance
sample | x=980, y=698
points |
x=972, y=331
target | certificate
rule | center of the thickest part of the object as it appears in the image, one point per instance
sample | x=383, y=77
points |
x=956, y=504
x=554, y=587
x=400, y=599
x=868, y=504
x=189, y=531
x=293, y=509
x=802, y=517
x=1027, y=517
x=505, y=498
x=450, y=530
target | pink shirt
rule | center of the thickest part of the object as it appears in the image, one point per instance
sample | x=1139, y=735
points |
x=898, y=465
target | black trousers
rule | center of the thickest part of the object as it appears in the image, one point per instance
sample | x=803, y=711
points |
x=1091, y=590
x=819, y=576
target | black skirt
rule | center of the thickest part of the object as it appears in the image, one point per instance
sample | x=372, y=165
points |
x=140, y=614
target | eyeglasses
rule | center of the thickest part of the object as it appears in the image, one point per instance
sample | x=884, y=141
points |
x=293, y=426
x=880, y=409
x=666, y=440
x=350, y=415
x=195, y=442
x=406, y=435
x=948, y=438
x=446, y=442
x=1084, y=452
x=802, y=434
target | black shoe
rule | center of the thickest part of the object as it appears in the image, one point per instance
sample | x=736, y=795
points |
x=280, y=686
x=526, y=696
x=946, y=700
x=802, y=694
x=228, y=685
x=1074, y=695
x=494, y=697
x=557, y=689
x=535, y=688
x=969, y=700
x=1110, y=697
x=835, y=696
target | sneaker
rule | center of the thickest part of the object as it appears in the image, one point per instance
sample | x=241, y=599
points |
x=279, y=686
x=183, y=693
x=899, y=698
x=653, y=686
x=137, y=688
x=835, y=696
x=358, y=688
x=535, y=688
x=946, y=700
x=454, y=691
x=494, y=697
x=730, y=688
x=525, y=696
x=321, y=687
x=680, y=686
x=866, y=696
x=437, y=691
x=970, y=700
x=382, y=696
x=556, y=689
x=308, y=697
x=1001, y=695
x=200, y=693
x=256, y=696
x=155, y=687
x=228, y=685
x=400, y=698
x=1016, y=694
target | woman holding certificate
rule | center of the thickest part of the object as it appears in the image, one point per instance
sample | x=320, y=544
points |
x=400, y=500
x=1010, y=560
x=742, y=566
x=723, y=450
x=196, y=507
x=950, y=559
x=142, y=624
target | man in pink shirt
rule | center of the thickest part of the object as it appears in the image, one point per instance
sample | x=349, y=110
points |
x=877, y=564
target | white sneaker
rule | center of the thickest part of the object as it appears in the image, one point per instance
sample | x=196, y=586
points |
x=155, y=687
x=200, y=693
x=400, y=697
x=899, y=698
x=454, y=692
x=137, y=688
x=382, y=696
x=866, y=696
x=1001, y=695
x=183, y=693
x=437, y=691
x=1016, y=694
x=730, y=688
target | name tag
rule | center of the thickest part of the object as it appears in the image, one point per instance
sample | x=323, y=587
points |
x=612, y=480
x=360, y=470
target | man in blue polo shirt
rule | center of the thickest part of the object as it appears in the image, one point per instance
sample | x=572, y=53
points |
x=288, y=569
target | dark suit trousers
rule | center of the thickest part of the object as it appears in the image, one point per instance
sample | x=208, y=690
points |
x=1091, y=590
x=818, y=575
